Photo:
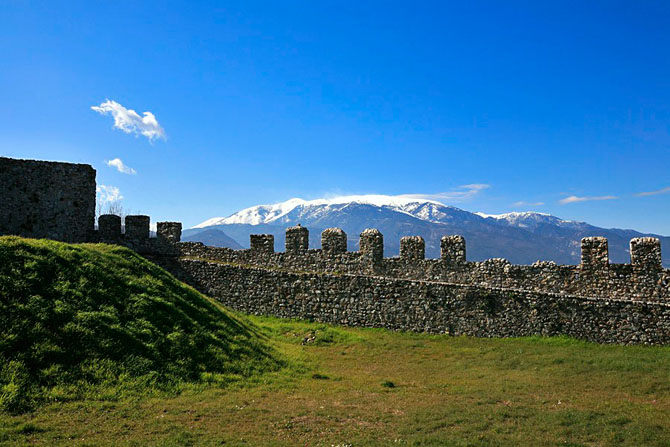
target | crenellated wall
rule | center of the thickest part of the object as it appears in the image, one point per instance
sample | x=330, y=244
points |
x=595, y=300
x=642, y=280
x=137, y=235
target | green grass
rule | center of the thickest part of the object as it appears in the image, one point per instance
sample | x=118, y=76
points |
x=99, y=321
x=335, y=390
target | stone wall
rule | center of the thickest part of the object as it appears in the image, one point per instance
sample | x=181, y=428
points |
x=42, y=199
x=137, y=235
x=642, y=280
x=435, y=307
x=595, y=300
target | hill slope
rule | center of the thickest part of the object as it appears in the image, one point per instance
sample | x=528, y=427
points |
x=75, y=317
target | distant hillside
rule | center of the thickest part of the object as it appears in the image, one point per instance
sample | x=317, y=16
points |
x=522, y=238
x=212, y=237
x=81, y=320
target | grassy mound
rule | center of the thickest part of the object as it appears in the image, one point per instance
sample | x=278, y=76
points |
x=100, y=321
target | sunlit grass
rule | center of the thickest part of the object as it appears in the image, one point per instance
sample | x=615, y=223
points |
x=99, y=321
x=345, y=386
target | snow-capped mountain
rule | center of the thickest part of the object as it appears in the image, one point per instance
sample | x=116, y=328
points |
x=532, y=219
x=521, y=237
x=309, y=209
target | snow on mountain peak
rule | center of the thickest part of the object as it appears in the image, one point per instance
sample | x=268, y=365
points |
x=514, y=215
x=528, y=219
x=263, y=214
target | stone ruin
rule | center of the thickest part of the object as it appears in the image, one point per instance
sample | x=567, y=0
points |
x=595, y=300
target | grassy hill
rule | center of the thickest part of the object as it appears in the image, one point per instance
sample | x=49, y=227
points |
x=98, y=320
x=103, y=339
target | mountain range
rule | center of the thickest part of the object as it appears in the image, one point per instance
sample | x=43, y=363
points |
x=522, y=238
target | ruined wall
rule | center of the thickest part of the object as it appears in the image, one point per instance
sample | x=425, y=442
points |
x=42, y=199
x=595, y=300
x=401, y=304
x=642, y=280
x=137, y=235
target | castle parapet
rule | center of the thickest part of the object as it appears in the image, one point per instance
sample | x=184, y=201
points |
x=169, y=231
x=645, y=253
x=412, y=247
x=297, y=240
x=137, y=227
x=595, y=253
x=109, y=227
x=262, y=243
x=371, y=245
x=452, y=249
x=333, y=241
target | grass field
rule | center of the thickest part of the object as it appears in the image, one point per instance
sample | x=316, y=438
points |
x=374, y=387
x=99, y=347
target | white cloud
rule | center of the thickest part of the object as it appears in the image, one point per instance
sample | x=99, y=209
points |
x=653, y=193
x=130, y=121
x=120, y=166
x=459, y=194
x=575, y=199
x=108, y=194
x=522, y=203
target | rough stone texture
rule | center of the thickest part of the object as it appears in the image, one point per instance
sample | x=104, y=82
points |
x=595, y=253
x=596, y=300
x=617, y=304
x=109, y=228
x=412, y=247
x=452, y=249
x=645, y=253
x=436, y=307
x=333, y=241
x=262, y=243
x=42, y=199
x=620, y=281
x=137, y=227
x=169, y=231
x=297, y=239
x=371, y=245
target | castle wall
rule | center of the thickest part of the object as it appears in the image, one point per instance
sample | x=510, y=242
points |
x=435, y=307
x=642, y=280
x=595, y=300
x=43, y=199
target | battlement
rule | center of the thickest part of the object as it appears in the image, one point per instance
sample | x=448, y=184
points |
x=642, y=280
x=452, y=250
x=262, y=243
x=169, y=231
x=297, y=240
x=645, y=253
x=333, y=241
x=372, y=245
x=595, y=300
x=137, y=234
x=595, y=253
x=412, y=247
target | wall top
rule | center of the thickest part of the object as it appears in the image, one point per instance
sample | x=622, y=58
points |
x=18, y=161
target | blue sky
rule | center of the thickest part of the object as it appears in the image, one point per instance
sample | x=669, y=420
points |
x=259, y=102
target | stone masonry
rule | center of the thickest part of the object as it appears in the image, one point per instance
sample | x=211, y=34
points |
x=43, y=199
x=412, y=247
x=333, y=241
x=595, y=300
